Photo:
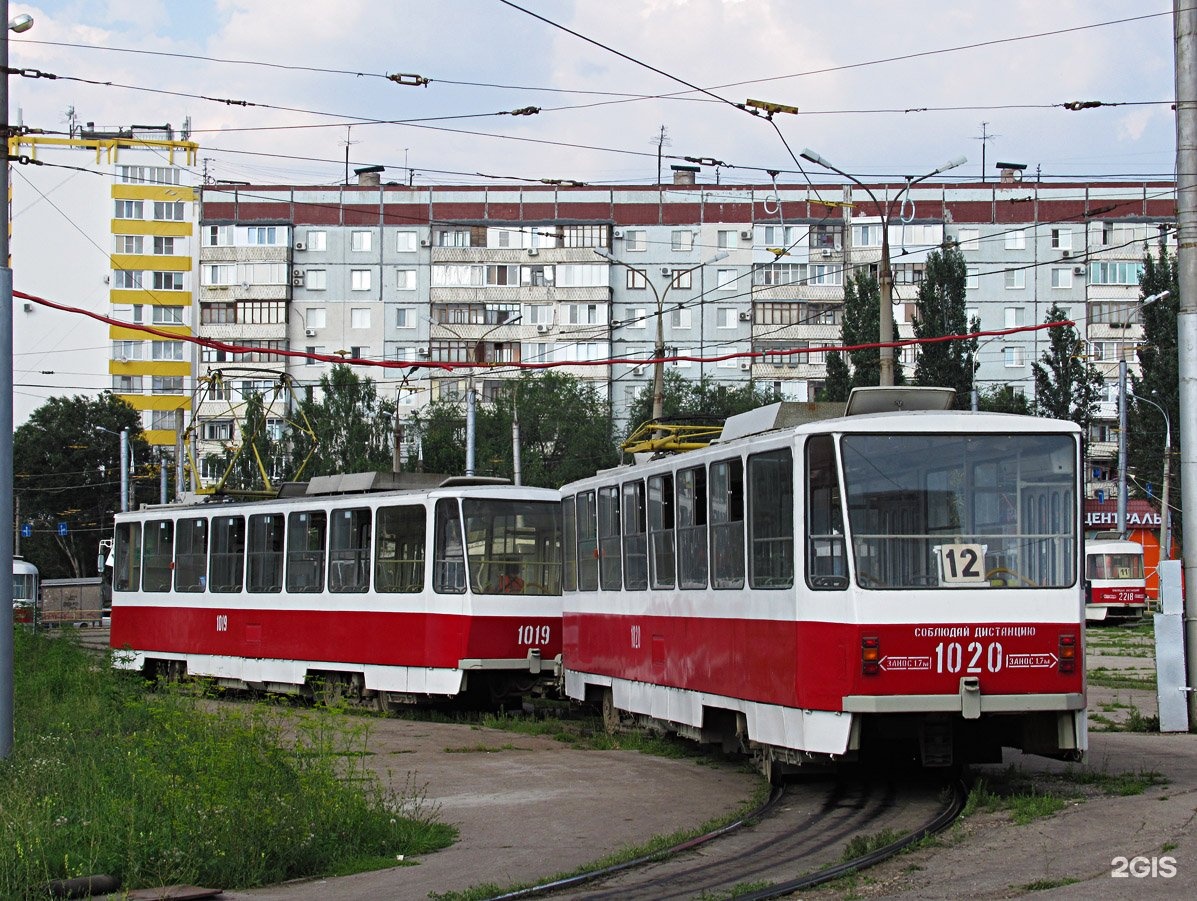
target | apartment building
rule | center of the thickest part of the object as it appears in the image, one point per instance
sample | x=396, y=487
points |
x=736, y=282
x=106, y=223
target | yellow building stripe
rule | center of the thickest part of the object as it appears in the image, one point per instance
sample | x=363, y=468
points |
x=153, y=192
x=149, y=367
x=126, y=296
x=159, y=262
x=157, y=402
x=150, y=227
x=118, y=333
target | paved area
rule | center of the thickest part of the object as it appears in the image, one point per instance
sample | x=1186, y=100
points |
x=527, y=808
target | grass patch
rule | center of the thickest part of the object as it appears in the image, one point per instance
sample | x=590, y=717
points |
x=1120, y=784
x=861, y=845
x=158, y=788
x=1042, y=885
x=1137, y=722
x=1107, y=678
x=1012, y=792
x=480, y=749
x=739, y=890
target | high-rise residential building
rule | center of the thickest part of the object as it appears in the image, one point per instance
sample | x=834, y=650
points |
x=747, y=282
x=106, y=223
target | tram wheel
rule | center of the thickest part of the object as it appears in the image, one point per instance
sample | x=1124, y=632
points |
x=611, y=715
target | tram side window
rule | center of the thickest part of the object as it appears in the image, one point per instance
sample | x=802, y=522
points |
x=159, y=555
x=126, y=571
x=399, y=549
x=265, y=553
x=826, y=560
x=226, y=568
x=660, y=531
x=771, y=519
x=635, y=541
x=306, y=533
x=727, y=524
x=692, y=528
x=349, y=550
x=191, y=554
x=587, y=543
x=609, y=541
x=448, y=562
x=569, y=545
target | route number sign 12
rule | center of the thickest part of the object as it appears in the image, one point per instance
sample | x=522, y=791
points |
x=959, y=563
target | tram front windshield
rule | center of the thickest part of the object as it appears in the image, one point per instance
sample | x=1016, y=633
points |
x=514, y=547
x=950, y=511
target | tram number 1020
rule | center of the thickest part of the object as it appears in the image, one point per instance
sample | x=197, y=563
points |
x=533, y=635
x=974, y=657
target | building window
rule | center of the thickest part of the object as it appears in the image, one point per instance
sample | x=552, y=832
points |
x=585, y=236
x=1016, y=239
x=360, y=240
x=405, y=242
x=126, y=278
x=683, y=240
x=405, y=279
x=787, y=236
x=316, y=279
x=968, y=239
x=1016, y=278
x=359, y=279
x=635, y=240
x=166, y=384
x=680, y=319
x=725, y=279
x=128, y=244
x=170, y=211
x=727, y=317
x=166, y=350
x=218, y=236
x=218, y=313
x=126, y=384
x=148, y=175
x=827, y=237
x=779, y=274
x=315, y=317
x=317, y=240
x=637, y=317
x=636, y=280
x=826, y=274
x=167, y=315
x=972, y=279
x=168, y=281
x=359, y=317
x=218, y=430
x=129, y=209
x=1013, y=317
x=262, y=312
x=1062, y=239
x=683, y=279
x=727, y=239
x=164, y=246
x=452, y=237
x=1115, y=273
x=585, y=314
x=1013, y=356
x=405, y=318
x=261, y=235
x=1061, y=277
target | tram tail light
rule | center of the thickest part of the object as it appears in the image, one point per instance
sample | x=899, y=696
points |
x=1067, y=653
x=870, y=655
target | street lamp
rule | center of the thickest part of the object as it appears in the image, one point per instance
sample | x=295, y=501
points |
x=887, y=275
x=19, y=24
x=1122, y=396
x=659, y=350
x=1165, y=511
x=126, y=462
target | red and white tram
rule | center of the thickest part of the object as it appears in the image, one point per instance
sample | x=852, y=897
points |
x=877, y=581
x=1115, y=582
x=387, y=596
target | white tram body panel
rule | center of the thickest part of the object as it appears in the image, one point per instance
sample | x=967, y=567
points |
x=816, y=589
x=396, y=593
x=1115, y=580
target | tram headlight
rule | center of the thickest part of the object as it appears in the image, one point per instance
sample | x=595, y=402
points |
x=870, y=655
x=1067, y=653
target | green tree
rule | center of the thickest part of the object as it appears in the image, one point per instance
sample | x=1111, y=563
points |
x=1159, y=380
x=1067, y=384
x=1003, y=399
x=258, y=451
x=67, y=469
x=353, y=426
x=940, y=312
x=838, y=384
x=565, y=432
x=702, y=402
x=860, y=324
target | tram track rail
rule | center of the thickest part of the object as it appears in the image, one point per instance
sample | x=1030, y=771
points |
x=775, y=846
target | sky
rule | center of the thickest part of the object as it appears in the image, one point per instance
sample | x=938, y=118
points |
x=278, y=91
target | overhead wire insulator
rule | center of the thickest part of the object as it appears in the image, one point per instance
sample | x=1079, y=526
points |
x=1075, y=105
x=770, y=108
x=415, y=81
x=525, y=111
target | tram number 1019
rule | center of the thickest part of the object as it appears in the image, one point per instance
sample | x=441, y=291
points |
x=533, y=635
x=975, y=657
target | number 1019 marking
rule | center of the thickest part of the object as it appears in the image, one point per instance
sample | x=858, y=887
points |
x=533, y=635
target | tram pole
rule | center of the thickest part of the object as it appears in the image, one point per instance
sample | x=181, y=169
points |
x=1184, y=17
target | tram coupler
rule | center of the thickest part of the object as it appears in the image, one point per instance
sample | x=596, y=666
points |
x=936, y=742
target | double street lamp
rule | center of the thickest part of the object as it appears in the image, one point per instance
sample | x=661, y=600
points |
x=659, y=349
x=886, y=280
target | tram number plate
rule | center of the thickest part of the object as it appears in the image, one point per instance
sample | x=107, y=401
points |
x=534, y=635
x=961, y=563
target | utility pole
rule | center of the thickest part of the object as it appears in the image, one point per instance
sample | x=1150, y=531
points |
x=1184, y=17
x=1122, y=400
